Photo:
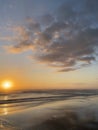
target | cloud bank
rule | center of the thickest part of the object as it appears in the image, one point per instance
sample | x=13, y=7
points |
x=66, y=39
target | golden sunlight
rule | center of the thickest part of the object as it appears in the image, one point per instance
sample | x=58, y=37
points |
x=7, y=84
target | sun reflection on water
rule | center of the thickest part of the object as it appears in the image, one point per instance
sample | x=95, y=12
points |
x=5, y=109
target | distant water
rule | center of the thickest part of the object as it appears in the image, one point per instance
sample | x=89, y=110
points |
x=18, y=101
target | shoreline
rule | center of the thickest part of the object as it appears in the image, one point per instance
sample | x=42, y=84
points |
x=40, y=115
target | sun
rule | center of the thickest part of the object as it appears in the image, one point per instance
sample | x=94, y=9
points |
x=7, y=84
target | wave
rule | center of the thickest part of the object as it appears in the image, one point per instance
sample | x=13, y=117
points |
x=45, y=95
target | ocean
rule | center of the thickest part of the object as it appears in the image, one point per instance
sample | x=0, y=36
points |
x=49, y=110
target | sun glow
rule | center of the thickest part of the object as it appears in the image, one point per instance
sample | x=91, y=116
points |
x=7, y=84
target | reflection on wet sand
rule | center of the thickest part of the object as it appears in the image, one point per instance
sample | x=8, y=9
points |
x=67, y=121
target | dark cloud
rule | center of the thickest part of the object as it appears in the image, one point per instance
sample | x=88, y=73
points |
x=68, y=69
x=47, y=19
x=87, y=59
x=68, y=39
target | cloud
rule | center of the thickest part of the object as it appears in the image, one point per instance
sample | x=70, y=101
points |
x=21, y=42
x=67, y=69
x=66, y=40
x=47, y=19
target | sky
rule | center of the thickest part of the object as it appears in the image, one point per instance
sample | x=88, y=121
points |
x=49, y=44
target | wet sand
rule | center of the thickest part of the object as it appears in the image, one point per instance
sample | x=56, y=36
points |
x=72, y=114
